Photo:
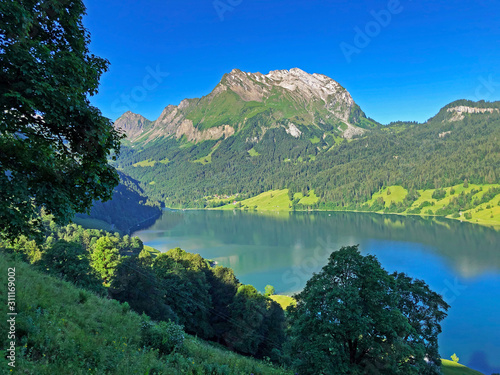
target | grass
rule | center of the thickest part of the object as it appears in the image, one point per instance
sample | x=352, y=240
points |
x=165, y=161
x=390, y=194
x=480, y=214
x=309, y=199
x=145, y=163
x=314, y=140
x=277, y=201
x=252, y=152
x=274, y=200
x=452, y=368
x=284, y=301
x=204, y=160
x=65, y=330
x=426, y=195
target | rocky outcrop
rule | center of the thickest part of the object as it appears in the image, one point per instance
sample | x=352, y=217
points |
x=352, y=131
x=194, y=135
x=460, y=110
x=132, y=124
x=293, y=131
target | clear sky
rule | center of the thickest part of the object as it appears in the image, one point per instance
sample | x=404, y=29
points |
x=400, y=60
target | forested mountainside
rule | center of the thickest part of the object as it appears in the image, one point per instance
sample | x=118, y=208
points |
x=128, y=209
x=300, y=137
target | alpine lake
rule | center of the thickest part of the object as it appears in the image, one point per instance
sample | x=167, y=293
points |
x=461, y=261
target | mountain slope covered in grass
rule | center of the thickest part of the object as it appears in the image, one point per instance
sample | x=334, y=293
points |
x=62, y=329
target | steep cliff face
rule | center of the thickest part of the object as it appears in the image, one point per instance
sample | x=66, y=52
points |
x=283, y=98
x=459, y=111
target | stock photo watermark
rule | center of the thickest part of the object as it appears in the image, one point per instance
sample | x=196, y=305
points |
x=11, y=317
x=151, y=81
x=364, y=36
x=223, y=6
x=452, y=291
x=297, y=276
x=487, y=87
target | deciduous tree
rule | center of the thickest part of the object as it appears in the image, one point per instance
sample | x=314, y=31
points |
x=106, y=258
x=54, y=145
x=355, y=318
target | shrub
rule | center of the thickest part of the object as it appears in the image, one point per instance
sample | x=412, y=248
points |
x=167, y=337
x=425, y=204
x=439, y=194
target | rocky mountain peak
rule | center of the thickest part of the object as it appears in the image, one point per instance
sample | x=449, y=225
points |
x=293, y=95
x=301, y=85
x=312, y=86
x=132, y=124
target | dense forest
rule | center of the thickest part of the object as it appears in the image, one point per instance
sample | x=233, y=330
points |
x=442, y=152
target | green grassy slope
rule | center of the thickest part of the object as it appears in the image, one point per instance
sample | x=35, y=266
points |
x=390, y=194
x=64, y=330
x=274, y=200
x=284, y=301
x=487, y=213
x=310, y=199
x=452, y=368
x=89, y=223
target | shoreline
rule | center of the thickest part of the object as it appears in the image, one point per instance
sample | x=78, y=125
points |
x=461, y=220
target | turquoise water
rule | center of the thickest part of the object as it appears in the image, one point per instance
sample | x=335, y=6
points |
x=459, y=260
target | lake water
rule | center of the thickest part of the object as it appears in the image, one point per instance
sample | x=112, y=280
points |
x=461, y=261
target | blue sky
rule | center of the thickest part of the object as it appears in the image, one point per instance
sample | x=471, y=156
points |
x=400, y=60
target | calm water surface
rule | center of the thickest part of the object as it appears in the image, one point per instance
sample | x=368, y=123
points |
x=459, y=260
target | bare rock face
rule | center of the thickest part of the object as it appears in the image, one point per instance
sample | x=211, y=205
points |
x=352, y=131
x=293, y=131
x=460, y=110
x=194, y=135
x=132, y=124
x=316, y=97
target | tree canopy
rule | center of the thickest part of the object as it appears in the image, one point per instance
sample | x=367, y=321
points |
x=355, y=318
x=54, y=145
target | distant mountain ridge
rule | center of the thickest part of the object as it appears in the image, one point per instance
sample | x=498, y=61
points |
x=304, y=132
x=283, y=98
